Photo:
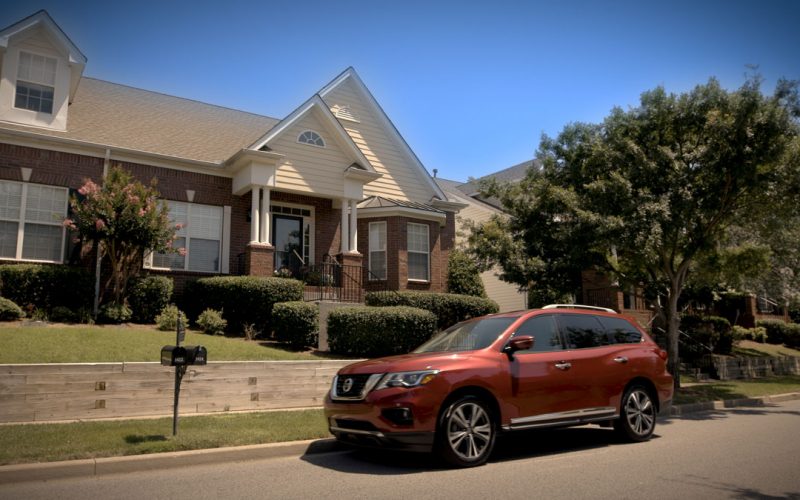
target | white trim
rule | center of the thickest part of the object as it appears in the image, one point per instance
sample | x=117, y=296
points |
x=221, y=246
x=307, y=219
x=21, y=222
x=385, y=251
x=387, y=124
x=344, y=229
x=427, y=253
x=225, y=264
x=415, y=213
x=353, y=226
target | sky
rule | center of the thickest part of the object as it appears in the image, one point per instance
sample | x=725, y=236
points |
x=471, y=85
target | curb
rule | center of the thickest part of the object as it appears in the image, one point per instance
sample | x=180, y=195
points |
x=155, y=461
x=137, y=463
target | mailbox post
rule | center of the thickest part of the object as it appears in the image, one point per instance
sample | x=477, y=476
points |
x=180, y=357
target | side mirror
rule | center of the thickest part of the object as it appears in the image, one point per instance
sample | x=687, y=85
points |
x=521, y=343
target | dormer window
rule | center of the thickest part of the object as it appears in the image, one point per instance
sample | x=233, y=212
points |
x=311, y=137
x=36, y=79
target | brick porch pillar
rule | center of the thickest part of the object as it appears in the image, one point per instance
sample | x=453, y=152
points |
x=259, y=259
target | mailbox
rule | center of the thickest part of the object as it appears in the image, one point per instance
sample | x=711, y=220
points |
x=173, y=355
x=196, y=355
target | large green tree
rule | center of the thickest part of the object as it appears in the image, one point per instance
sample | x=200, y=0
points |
x=653, y=189
x=124, y=219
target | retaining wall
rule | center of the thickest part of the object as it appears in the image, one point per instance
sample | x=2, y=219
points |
x=743, y=368
x=49, y=392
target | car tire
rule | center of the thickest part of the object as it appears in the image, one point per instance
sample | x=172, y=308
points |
x=637, y=415
x=466, y=432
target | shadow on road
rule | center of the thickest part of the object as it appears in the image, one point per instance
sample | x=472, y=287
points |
x=518, y=445
x=733, y=490
x=756, y=409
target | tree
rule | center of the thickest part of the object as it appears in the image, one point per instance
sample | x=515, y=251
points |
x=463, y=275
x=652, y=190
x=123, y=219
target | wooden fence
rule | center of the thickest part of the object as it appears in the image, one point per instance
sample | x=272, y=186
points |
x=51, y=392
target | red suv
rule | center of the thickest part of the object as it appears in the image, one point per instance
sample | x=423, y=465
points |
x=551, y=367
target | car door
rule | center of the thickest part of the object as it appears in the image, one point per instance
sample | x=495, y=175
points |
x=541, y=389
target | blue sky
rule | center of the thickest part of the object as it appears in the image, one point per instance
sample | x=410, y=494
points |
x=471, y=85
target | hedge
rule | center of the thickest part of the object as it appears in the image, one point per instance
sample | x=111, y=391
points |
x=296, y=323
x=463, y=275
x=706, y=334
x=378, y=331
x=148, y=295
x=449, y=308
x=44, y=287
x=243, y=300
x=781, y=332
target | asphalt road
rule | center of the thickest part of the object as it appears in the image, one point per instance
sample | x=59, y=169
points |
x=738, y=453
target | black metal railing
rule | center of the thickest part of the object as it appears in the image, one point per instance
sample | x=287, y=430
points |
x=333, y=281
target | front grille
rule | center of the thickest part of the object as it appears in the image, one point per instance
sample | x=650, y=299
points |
x=353, y=387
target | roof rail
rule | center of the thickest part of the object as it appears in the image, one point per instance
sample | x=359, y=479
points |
x=578, y=306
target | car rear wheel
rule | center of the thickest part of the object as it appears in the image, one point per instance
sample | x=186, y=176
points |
x=466, y=433
x=637, y=416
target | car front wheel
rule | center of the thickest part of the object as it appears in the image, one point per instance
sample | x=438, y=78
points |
x=637, y=416
x=466, y=432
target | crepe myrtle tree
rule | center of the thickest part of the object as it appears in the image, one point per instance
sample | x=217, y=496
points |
x=124, y=219
x=649, y=192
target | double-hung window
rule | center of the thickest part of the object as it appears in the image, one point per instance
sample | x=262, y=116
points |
x=377, y=250
x=31, y=221
x=200, y=235
x=36, y=80
x=418, y=252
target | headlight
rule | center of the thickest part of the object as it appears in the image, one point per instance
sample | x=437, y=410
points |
x=406, y=379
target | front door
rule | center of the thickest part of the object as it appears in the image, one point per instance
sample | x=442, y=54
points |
x=287, y=235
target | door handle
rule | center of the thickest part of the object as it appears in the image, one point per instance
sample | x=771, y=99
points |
x=621, y=359
x=563, y=365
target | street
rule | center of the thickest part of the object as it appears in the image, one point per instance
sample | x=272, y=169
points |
x=737, y=453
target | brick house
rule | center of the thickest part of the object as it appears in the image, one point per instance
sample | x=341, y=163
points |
x=332, y=182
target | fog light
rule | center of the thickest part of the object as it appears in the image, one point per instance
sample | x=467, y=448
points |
x=398, y=416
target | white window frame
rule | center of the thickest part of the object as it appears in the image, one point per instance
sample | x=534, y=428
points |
x=373, y=276
x=308, y=225
x=149, y=259
x=314, y=132
x=33, y=81
x=21, y=221
x=427, y=253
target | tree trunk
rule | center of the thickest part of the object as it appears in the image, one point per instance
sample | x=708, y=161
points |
x=673, y=336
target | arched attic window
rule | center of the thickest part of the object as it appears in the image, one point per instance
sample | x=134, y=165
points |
x=311, y=137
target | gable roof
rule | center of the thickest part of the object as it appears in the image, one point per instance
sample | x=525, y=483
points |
x=114, y=115
x=391, y=130
x=42, y=18
x=316, y=104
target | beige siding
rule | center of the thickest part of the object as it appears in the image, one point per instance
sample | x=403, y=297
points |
x=400, y=180
x=507, y=295
x=307, y=168
x=38, y=41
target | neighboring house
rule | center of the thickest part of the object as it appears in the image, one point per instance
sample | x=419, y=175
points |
x=331, y=182
x=507, y=295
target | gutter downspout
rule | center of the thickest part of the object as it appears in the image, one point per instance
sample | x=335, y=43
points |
x=99, y=258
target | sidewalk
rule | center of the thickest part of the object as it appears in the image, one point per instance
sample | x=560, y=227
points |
x=135, y=463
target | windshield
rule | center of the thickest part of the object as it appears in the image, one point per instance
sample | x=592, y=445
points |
x=467, y=336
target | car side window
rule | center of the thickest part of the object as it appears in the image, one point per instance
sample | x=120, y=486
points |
x=620, y=330
x=582, y=331
x=545, y=332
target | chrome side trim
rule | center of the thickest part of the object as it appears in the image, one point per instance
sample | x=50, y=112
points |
x=372, y=381
x=356, y=431
x=581, y=416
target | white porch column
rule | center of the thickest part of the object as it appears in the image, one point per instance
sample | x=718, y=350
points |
x=266, y=233
x=345, y=236
x=353, y=227
x=254, y=213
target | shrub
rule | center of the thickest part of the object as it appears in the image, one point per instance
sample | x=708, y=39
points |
x=792, y=338
x=776, y=330
x=47, y=287
x=463, y=275
x=167, y=320
x=296, y=323
x=148, y=295
x=114, y=313
x=211, y=322
x=61, y=314
x=9, y=311
x=757, y=334
x=448, y=308
x=706, y=334
x=378, y=331
x=246, y=300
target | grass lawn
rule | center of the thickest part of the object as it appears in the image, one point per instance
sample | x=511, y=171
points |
x=52, y=442
x=56, y=343
x=737, y=389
